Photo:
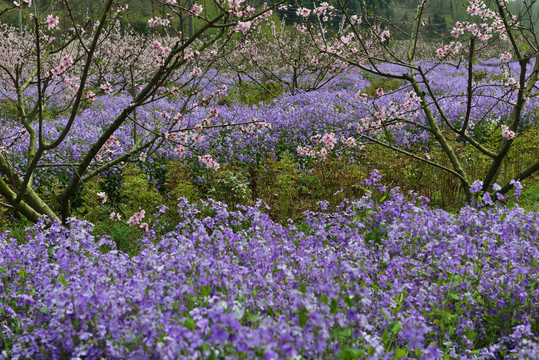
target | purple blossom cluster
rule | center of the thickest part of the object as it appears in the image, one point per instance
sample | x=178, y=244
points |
x=382, y=277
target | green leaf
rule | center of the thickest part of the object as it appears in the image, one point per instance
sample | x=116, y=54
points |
x=43, y=309
x=253, y=318
x=333, y=306
x=324, y=299
x=385, y=337
x=190, y=324
x=395, y=327
x=470, y=334
x=400, y=353
x=22, y=274
x=351, y=354
x=303, y=316
x=303, y=288
x=62, y=280
x=205, y=290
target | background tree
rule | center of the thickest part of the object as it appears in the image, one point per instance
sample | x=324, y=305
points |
x=56, y=55
x=489, y=25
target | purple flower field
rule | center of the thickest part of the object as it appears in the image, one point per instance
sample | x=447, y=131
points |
x=294, y=119
x=288, y=180
x=381, y=277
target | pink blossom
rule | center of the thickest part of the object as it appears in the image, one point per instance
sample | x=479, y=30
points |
x=235, y=4
x=106, y=88
x=114, y=216
x=209, y=162
x=91, y=96
x=505, y=57
x=243, y=26
x=350, y=142
x=158, y=21
x=329, y=140
x=102, y=196
x=144, y=226
x=198, y=128
x=196, y=72
x=136, y=218
x=303, y=12
x=381, y=113
x=366, y=122
x=267, y=14
x=513, y=84
x=52, y=21
x=384, y=35
x=180, y=150
x=361, y=96
x=183, y=137
x=197, y=138
x=506, y=133
x=189, y=57
x=196, y=10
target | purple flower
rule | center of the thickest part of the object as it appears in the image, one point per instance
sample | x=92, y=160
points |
x=518, y=187
x=486, y=198
x=476, y=186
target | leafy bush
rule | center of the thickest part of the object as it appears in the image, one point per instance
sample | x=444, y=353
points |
x=230, y=186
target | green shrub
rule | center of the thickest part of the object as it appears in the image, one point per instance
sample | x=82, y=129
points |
x=91, y=208
x=479, y=75
x=382, y=83
x=230, y=185
x=178, y=182
x=125, y=237
x=278, y=185
x=136, y=193
x=251, y=93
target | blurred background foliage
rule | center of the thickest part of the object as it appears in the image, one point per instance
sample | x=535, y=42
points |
x=440, y=15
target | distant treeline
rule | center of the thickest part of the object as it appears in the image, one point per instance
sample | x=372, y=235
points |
x=440, y=15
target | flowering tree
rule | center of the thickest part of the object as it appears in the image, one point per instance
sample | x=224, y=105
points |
x=418, y=107
x=284, y=55
x=70, y=69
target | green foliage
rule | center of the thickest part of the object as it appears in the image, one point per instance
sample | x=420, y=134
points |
x=278, y=185
x=381, y=83
x=125, y=237
x=135, y=192
x=230, y=185
x=91, y=208
x=8, y=112
x=334, y=179
x=3, y=217
x=178, y=182
x=252, y=93
x=479, y=75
